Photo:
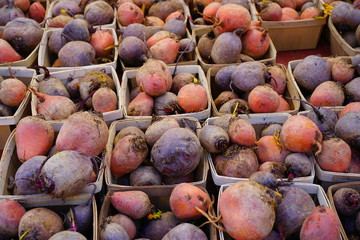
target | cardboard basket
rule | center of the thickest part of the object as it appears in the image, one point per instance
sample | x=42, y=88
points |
x=258, y=122
x=197, y=26
x=315, y=190
x=185, y=13
x=303, y=93
x=50, y=15
x=296, y=34
x=330, y=194
x=268, y=58
x=338, y=46
x=200, y=173
x=290, y=91
x=76, y=73
x=159, y=199
x=9, y=164
x=27, y=76
x=129, y=82
x=46, y=58
x=28, y=61
x=62, y=206
x=190, y=58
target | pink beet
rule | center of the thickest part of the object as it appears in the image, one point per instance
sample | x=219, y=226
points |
x=8, y=53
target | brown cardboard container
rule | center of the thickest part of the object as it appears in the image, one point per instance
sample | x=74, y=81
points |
x=290, y=91
x=338, y=46
x=268, y=58
x=294, y=35
x=330, y=193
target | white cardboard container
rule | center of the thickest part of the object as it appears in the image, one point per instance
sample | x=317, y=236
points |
x=52, y=5
x=128, y=83
x=268, y=58
x=159, y=198
x=304, y=94
x=296, y=34
x=312, y=189
x=338, y=46
x=27, y=76
x=193, y=58
x=258, y=121
x=28, y=61
x=200, y=173
x=290, y=91
x=9, y=164
x=75, y=73
x=46, y=58
x=62, y=206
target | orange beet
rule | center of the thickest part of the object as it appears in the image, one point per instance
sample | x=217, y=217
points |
x=242, y=132
x=10, y=215
x=289, y=14
x=100, y=40
x=12, y=92
x=327, y=94
x=351, y=107
x=263, y=99
x=268, y=150
x=342, y=70
x=8, y=53
x=185, y=197
x=248, y=210
x=129, y=13
x=34, y=136
x=135, y=204
x=300, y=134
x=256, y=42
x=283, y=106
x=210, y=11
x=165, y=50
x=104, y=100
x=310, y=13
x=335, y=155
x=232, y=16
x=322, y=223
x=192, y=98
x=177, y=15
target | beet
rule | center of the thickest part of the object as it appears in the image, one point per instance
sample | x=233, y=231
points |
x=156, y=229
x=264, y=178
x=347, y=201
x=165, y=104
x=278, y=169
x=214, y=139
x=81, y=216
x=229, y=106
x=352, y=90
x=227, y=48
x=70, y=7
x=56, y=41
x=76, y=30
x=128, y=131
x=164, y=8
x=26, y=171
x=177, y=152
x=133, y=52
x=324, y=118
x=223, y=78
x=176, y=26
x=23, y=34
x=205, y=45
x=99, y=13
x=249, y=75
x=236, y=162
x=136, y=30
x=8, y=12
x=5, y=110
x=270, y=129
x=180, y=80
x=225, y=97
x=347, y=128
x=311, y=71
x=295, y=206
x=271, y=12
x=158, y=127
x=298, y=164
x=51, y=85
x=185, y=231
x=126, y=222
x=145, y=176
x=345, y=13
x=113, y=231
x=77, y=53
